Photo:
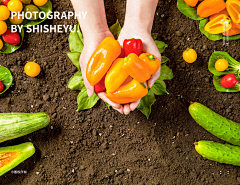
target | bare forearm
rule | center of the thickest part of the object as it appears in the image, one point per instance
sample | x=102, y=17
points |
x=95, y=21
x=141, y=13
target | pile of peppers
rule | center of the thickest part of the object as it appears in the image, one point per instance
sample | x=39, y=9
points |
x=119, y=71
x=224, y=15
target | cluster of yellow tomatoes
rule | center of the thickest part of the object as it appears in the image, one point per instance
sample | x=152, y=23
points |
x=16, y=6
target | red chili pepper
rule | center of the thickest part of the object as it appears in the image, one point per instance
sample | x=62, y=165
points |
x=229, y=81
x=133, y=46
x=100, y=86
x=1, y=86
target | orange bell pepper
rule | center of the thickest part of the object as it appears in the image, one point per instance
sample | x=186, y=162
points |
x=136, y=68
x=210, y=7
x=152, y=62
x=219, y=13
x=128, y=93
x=219, y=24
x=115, y=76
x=233, y=7
x=102, y=59
x=191, y=2
x=235, y=30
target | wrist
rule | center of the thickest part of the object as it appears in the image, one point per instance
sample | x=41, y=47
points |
x=96, y=35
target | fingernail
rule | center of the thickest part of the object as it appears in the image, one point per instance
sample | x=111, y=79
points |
x=89, y=92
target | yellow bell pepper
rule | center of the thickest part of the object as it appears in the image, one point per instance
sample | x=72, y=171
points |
x=115, y=76
x=102, y=59
x=152, y=62
x=233, y=8
x=219, y=24
x=136, y=68
x=128, y=93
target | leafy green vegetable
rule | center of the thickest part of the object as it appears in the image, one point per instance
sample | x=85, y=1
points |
x=164, y=60
x=75, y=40
x=76, y=82
x=6, y=78
x=233, y=67
x=159, y=88
x=84, y=101
x=209, y=35
x=47, y=8
x=187, y=10
x=161, y=45
x=116, y=29
x=76, y=44
x=217, y=84
x=74, y=57
x=154, y=36
x=108, y=106
x=146, y=103
x=7, y=48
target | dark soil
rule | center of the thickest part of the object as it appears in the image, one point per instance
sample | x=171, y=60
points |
x=110, y=148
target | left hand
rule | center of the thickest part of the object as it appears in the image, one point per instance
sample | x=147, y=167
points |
x=149, y=46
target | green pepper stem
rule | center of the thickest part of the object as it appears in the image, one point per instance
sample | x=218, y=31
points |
x=151, y=57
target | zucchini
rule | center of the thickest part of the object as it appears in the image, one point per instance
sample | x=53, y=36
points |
x=219, y=126
x=11, y=156
x=14, y=125
x=222, y=153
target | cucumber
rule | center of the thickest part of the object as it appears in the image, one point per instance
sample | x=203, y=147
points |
x=11, y=156
x=14, y=125
x=222, y=153
x=219, y=126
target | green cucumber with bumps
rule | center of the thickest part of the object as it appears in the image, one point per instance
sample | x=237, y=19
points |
x=11, y=156
x=216, y=124
x=222, y=153
x=14, y=125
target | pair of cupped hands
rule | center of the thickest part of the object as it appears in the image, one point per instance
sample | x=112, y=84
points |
x=92, y=41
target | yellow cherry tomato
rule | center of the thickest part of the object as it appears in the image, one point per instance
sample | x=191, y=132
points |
x=1, y=44
x=32, y=69
x=5, y=13
x=3, y=27
x=16, y=19
x=221, y=65
x=40, y=2
x=15, y=6
x=190, y=55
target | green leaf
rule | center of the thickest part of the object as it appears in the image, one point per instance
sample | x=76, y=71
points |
x=209, y=35
x=116, y=29
x=6, y=78
x=166, y=73
x=233, y=65
x=187, y=10
x=159, y=87
x=76, y=40
x=108, y=106
x=74, y=57
x=234, y=37
x=7, y=48
x=86, y=102
x=76, y=82
x=161, y=45
x=164, y=60
x=154, y=36
x=217, y=84
x=146, y=103
x=47, y=8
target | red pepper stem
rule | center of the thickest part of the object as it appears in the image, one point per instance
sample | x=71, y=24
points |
x=151, y=57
